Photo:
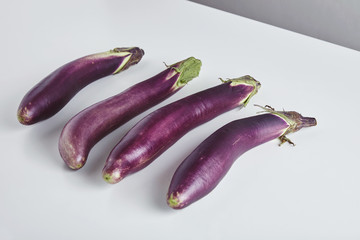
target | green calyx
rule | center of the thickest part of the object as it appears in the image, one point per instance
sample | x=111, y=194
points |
x=281, y=114
x=120, y=51
x=123, y=64
x=130, y=57
x=294, y=119
x=188, y=69
x=245, y=80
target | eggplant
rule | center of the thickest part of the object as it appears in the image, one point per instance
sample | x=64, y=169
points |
x=92, y=124
x=52, y=93
x=206, y=166
x=156, y=132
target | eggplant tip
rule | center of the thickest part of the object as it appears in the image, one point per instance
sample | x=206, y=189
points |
x=68, y=153
x=23, y=117
x=113, y=177
x=76, y=167
x=173, y=202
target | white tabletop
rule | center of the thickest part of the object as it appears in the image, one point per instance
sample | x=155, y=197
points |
x=310, y=191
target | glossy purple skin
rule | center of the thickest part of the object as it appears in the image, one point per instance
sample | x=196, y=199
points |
x=92, y=124
x=162, y=128
x=204, y=168
x=52, y=93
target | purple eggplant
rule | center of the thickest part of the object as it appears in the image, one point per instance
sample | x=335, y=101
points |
x=89, y=126
x=52, y=93
x=204, y=168
x=155, y=133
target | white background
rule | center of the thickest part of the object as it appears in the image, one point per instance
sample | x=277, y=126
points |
x=310, y=191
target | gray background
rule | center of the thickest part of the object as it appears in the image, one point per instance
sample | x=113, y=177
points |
x=335, y=21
